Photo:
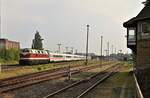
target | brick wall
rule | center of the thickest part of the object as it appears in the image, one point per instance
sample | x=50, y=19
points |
x=5, y=43
x=143, y=53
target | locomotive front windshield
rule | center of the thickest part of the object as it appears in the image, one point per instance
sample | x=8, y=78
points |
x=25, y=50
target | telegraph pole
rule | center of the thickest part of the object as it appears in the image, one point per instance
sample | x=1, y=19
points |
x=86, y=63
x=108, y=49
x=106, y=52
x=101, y=46
x=66, y=49
x=59, y=47
x=76, y=51
x=115, y=51
x=101, y=50
x=112, y=49
x=72, y=49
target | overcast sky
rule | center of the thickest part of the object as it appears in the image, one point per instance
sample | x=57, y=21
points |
x=64, y=21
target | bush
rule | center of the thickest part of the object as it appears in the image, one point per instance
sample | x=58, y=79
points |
x=9, y=55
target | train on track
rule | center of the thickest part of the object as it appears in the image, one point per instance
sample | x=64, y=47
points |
x=34, y=56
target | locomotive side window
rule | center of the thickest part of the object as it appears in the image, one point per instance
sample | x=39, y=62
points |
x=42, y=52
x=32, y=51
x=68, y=56
x=39, y=52
x=25, y=50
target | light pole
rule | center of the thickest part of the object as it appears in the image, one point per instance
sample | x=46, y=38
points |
x=72, y=49
x=66, y=49
x=101, y=49
x=108, y=50
x=108, y=47
x=76, y=51
x=101, y=45
x=86, y=63
x=59, y=47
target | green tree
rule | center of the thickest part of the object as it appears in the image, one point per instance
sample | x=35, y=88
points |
x=37, y=41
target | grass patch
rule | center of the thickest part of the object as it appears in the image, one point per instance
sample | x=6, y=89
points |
x=26, y=69
x=86, y=74
x=8, y=62
x=120, y=84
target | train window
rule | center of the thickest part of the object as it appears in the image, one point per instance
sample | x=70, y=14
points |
x=36, y=51
x=42, y=52
x=68, y=56
x=51, y=55
x=39, y=52
x=46, y=52
x=32, y=51
x=58, y=56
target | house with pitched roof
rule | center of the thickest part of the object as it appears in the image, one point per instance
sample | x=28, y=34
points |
x=138, y=40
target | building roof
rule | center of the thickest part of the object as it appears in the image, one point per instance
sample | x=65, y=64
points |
x=143, y=15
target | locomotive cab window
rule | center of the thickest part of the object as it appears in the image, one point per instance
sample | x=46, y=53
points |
x=25, y=50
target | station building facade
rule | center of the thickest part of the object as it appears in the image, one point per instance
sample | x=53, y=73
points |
x=7, y=44
x=138, y=40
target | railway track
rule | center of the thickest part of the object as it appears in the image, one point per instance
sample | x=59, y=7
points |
x=10, y=67
x=26, y=80
x=80, y=88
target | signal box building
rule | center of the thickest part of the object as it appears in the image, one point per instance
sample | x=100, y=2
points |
x=7, y=44
x=138, y=40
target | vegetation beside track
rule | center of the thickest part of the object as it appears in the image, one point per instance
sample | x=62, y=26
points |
x=42, y=89
x=121, y=85
x=9, y=55
x=88, y=73
x=38, y=68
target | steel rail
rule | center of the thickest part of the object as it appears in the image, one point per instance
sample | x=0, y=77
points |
x=95, y=84
x=79, y=82
x=22, y=84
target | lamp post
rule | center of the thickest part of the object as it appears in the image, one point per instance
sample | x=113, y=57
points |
x=72, y=49
x=66, y=49
x=101, y=49
x=108, y=50
x=87, y=42
x=59, y=47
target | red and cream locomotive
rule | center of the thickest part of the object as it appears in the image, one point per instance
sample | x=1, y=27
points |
x=34, y=56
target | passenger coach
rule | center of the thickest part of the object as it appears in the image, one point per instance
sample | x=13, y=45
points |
x=33, y=56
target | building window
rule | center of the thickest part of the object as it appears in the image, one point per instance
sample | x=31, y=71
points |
x=131, y=34
x=145, y=27
x=131, y=38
